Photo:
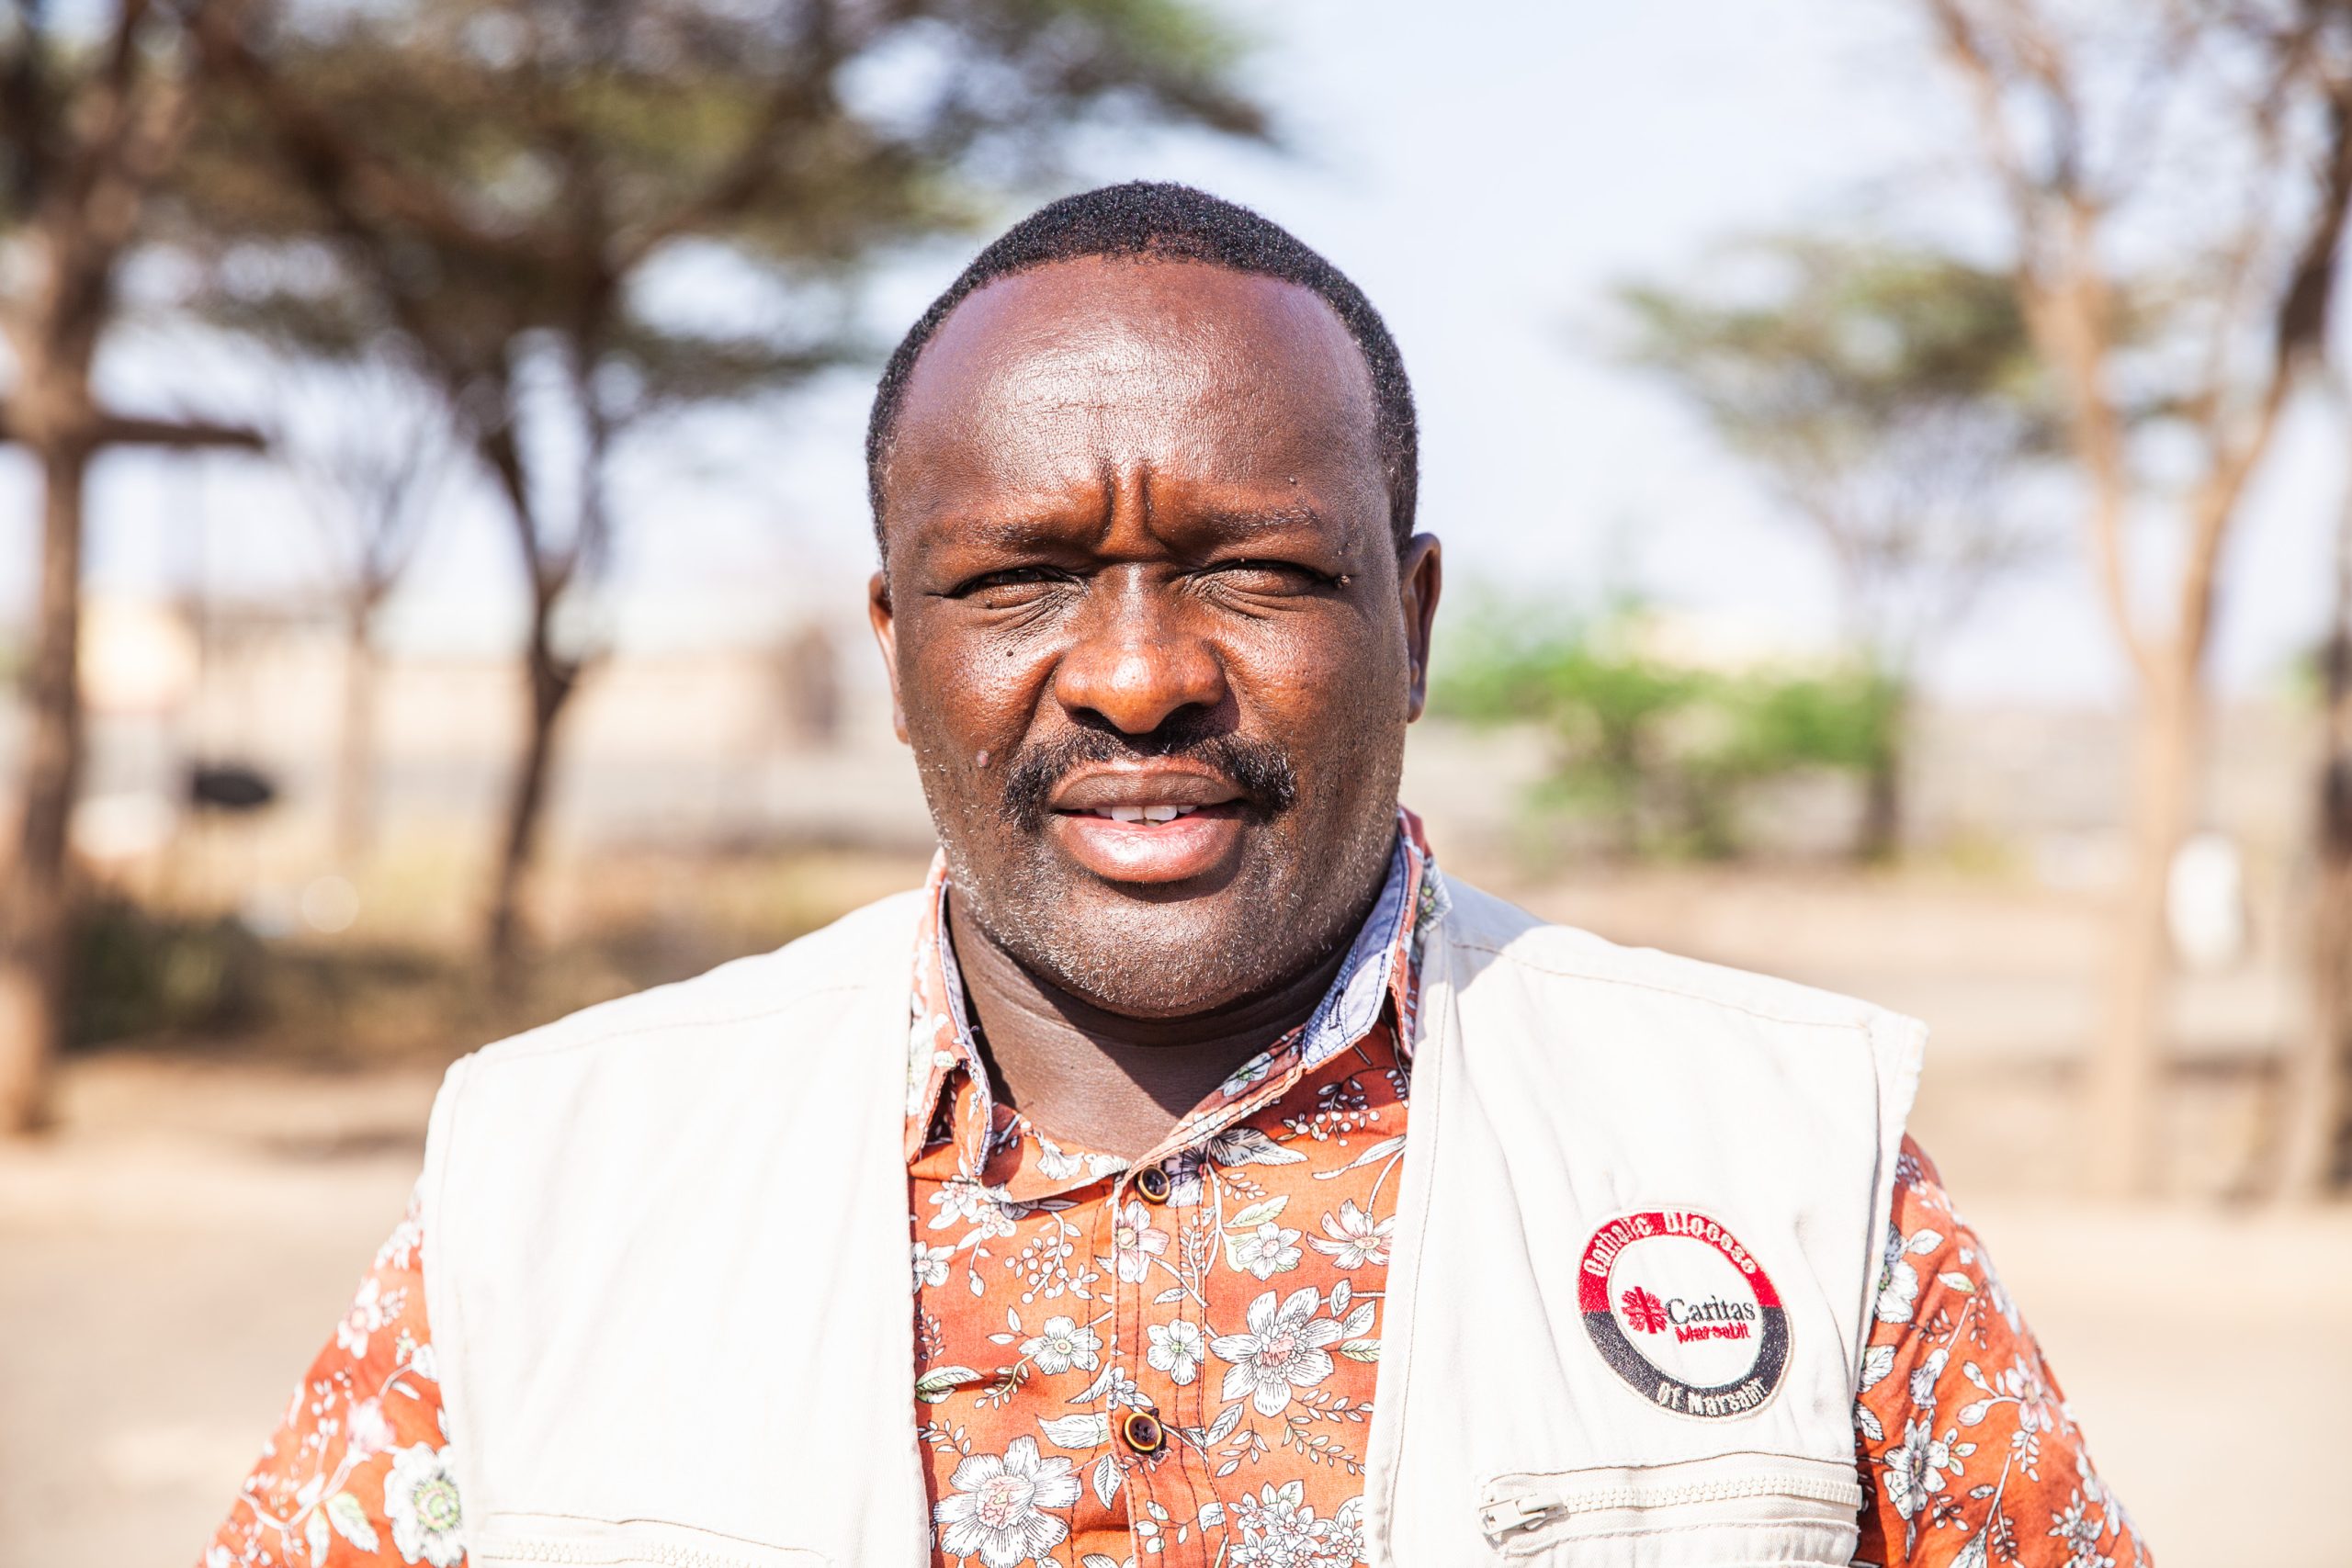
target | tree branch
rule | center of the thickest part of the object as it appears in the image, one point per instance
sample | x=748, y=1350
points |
x=2298, y=338
x=138, y=430
x=745, y=175
x=2069, y=304
x=360, y=186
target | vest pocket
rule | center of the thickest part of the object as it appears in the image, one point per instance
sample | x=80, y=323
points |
x=1741, y=1508
x=551, y=1540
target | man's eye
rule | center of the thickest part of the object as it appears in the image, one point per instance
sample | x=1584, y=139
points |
x=1013, y=577
x=1268, y=577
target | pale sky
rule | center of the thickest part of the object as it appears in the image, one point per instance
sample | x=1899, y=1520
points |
x=1486, y=174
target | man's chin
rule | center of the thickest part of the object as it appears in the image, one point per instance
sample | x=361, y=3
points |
x=1147, y=950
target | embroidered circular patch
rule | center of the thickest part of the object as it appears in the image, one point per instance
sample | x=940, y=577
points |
x=1684, y=1313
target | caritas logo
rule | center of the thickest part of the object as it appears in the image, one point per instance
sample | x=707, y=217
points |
x=1683, y=1312
x=1713, y=1318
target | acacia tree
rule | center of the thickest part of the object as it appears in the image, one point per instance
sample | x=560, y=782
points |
x=536, y=198
x=2175, y=176
x=1892, y=399
x=95, y=103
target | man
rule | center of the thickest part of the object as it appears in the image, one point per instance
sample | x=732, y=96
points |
x=1270, y=1199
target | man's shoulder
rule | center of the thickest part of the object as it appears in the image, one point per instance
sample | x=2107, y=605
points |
x=1492, y=932
x=844, y=960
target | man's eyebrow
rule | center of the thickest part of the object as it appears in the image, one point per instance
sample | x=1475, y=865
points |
x=1018, y=531
x=1011, y=531
x=1249, y=520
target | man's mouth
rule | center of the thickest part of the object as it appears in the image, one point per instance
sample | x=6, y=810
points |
x=1156, y=813
x=1149, y=824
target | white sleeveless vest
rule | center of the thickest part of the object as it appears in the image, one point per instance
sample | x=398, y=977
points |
x=1638, y=1233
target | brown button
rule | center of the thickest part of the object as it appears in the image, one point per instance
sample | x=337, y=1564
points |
x=1153, y=1183
x=1143, y=1432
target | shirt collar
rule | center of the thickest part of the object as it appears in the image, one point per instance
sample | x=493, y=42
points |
x=1381, y=968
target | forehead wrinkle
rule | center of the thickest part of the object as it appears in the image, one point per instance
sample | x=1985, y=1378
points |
x=1118, y=344
x=1254, y=522
x=1024, y=379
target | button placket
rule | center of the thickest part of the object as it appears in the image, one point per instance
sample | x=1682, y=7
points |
x=1164, y=1493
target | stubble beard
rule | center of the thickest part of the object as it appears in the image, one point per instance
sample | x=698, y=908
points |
x=1174, y=958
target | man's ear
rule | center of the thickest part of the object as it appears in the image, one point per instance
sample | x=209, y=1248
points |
x=1420, y=577
x=879, y=615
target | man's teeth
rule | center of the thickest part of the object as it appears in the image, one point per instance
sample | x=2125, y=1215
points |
x=1146, y=813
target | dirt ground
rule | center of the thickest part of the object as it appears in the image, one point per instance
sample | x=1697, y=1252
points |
x=173, y=1255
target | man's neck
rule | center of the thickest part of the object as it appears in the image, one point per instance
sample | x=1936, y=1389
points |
x=1100, y=1081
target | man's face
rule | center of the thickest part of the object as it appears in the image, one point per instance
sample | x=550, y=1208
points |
x=1147, y=628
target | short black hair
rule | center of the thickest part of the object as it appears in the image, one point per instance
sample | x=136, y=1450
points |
x=1173, y=223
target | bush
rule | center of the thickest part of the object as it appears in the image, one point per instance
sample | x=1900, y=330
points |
x=1662, y=753
x=141, y=971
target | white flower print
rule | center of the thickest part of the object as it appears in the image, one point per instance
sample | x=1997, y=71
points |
x=924, y=1051
x=1056, y=1164
x=1898, y=1282
x=366, y=1430
x=1267, y=1251
x=1347, y=1532
x=1924, y=1376
x=1283, y=1350
x=402, y=1243
x=989, y=1212
x=2093, y=1489
x=1178, y=1349
x=1254, y=1070
x=370, y=1310
x=1186, y=1170
x=1916, y=1469
x=1246, y=1145
x=1233, y=1147
x=931, y=1264
x=2079, y=1532
x=999, y=1509
x=1134, y=1243
x=1279, y=1530
x=420, y=1501
x=1354, y=1239
x=1064, y=1345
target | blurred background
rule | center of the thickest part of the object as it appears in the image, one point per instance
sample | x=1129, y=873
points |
x=1892, y=464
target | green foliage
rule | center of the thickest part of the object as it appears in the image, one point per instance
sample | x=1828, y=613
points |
x=140, y=971
x=465, y=175
x=1842, y=341
x=1891, y=396
x=1663, y=755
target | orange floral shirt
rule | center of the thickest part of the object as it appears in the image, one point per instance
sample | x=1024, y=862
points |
x=1171, y=1361
x=1171, y=1357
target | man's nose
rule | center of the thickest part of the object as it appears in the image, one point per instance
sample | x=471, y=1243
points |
x=1136, y=663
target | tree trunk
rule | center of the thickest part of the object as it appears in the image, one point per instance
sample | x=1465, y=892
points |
x=1880, y=833
x=2128, y=1057
x=2312, y=1117
x=2314, y=1157
x=1879, y=836
x=355, y=783
x=552, y=681
x=36, y=970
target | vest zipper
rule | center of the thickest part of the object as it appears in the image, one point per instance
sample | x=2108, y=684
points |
x=667, y=1553
x=620, y=1547
x=1511, y=1518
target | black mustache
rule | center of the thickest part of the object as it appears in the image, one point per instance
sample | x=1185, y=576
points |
x=1260, y=770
